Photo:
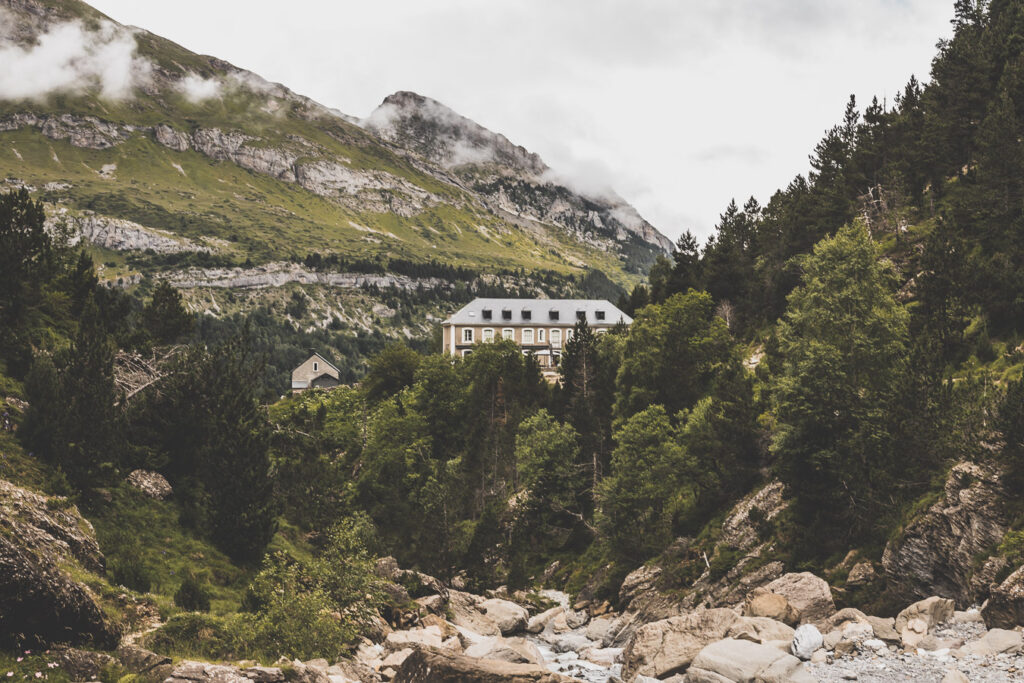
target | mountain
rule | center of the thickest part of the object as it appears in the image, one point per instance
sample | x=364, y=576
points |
x=511, y=180
x=163, y=158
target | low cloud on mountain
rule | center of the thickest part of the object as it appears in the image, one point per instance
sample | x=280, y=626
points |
x=70, y=58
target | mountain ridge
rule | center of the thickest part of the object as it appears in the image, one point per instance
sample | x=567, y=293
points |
x=308, y=178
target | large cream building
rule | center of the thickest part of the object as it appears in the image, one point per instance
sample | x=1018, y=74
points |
x=538, y=326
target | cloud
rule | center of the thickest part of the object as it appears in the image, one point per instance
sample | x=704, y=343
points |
x=197, y=89
x=70, y=58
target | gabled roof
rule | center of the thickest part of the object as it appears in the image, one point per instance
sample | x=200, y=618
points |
x=539, y=312
x=317, y=355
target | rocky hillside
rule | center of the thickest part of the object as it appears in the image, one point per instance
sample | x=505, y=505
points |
x=147, y=146
x=511, y=180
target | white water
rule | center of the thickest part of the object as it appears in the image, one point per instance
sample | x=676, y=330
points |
x=570, y=663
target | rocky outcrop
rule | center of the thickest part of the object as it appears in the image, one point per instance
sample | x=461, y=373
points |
x=122, y=235
x=1005, y=605
x=39, y=601
x=80, y=131
x=936, y=552
x=278, y=274
x=152, y=484
x=434, y=666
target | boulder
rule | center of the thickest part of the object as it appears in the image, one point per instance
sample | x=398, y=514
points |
x=598, y=628
x=845, y=616
x=515, y=650
x=433, y=666
x=913, y=632
x=933, y=611
x=39, y=601
x=1005, y=605
x=954, y=676
x=509, y=617
x=152, y=484
x=806, y=640
x=142, y=662
x=741, y=660
x=400, y=640
x=809, y=595
x=466, y=612
x=759, y=630
x=996, y=641
x=764, y=603
x=668, y=646
x=936, y=553
x=884, y=629
x=539, y=622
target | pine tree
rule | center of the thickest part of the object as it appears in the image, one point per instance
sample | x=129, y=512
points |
x=843, y=342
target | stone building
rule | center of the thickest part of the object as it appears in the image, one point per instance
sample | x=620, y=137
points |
x=316, y=372
x=538, y=326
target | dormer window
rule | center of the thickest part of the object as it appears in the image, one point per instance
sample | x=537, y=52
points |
x=506, y=314
x=487, y=313
x=599, y=315
x=316, y=366
x=553, y=314
x=527, y=314
x=581, y=315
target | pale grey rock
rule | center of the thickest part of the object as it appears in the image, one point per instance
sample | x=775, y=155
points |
x=741, y=660
x=515, y=650
x=510, y=617
x=1005, y=606
x=152, y=484
x=933, y=611
x=806, y=640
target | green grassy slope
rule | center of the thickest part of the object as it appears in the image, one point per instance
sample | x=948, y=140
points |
x=262, y=217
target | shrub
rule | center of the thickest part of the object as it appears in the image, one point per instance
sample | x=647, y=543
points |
x=131, y=572
x=193, y=594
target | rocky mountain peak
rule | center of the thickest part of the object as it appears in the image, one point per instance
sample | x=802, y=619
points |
x=438, y=133
x=513, y=179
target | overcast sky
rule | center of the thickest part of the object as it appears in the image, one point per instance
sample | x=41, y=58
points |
x=679, y=105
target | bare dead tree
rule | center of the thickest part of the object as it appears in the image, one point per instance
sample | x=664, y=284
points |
x=134, y=373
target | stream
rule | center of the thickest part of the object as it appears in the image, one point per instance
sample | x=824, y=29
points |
x=562, y=651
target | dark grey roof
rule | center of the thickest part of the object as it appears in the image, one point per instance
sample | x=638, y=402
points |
x=539, y=312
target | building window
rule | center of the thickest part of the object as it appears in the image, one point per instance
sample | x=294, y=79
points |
x=540, y=335
x=599, y=315
x=527, y=336
x=316, y=366
x=556, y=338
x=553, y=314
x=488, y=335
x=466, y=352
x=602, y=331
x=506, y=314
x=487, y=314
x=527, y=314
x=581, y=315
x=508, y=333
x=467, y=335
x=568, y=335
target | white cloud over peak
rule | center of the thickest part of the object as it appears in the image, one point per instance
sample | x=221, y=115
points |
x=70, y=58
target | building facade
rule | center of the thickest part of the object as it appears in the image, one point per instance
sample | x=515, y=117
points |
x=315, y=373
x=540, y=327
